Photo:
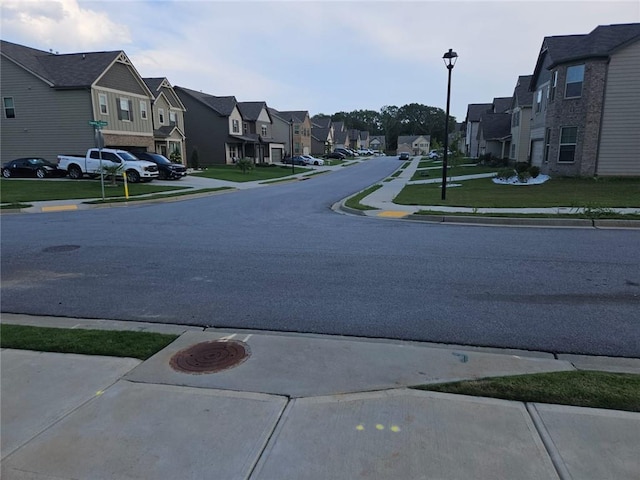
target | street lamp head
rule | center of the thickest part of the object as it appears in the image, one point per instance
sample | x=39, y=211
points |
x=450, y=58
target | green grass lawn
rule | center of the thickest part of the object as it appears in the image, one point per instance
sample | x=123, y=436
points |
x=111, y=343
x=354, y=202
x=231, y=173
x=565, y=192
x=421, y=174
x=617, y=391
x=21, y=191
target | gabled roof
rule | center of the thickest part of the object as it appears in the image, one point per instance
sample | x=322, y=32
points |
x=354, y=134
x=338, y=127
x=404, y=139
x=379, y=138
x=74, y=70
x=320, y=133
x=223, y=106
x=295, y=116
x=166, y=130
x=250, y=111
x=522, y=96
x=501, y=104
x=364, y=134
x=495, y=126
x=324, y=122
x=599, y=43
x=154, y=85
x=474, y=110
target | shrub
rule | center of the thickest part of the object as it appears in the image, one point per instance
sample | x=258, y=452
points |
x=505, y=173
x=245, y=164
x=523, y=177
x=522, y=167
x=195, y=162
x=534, y=171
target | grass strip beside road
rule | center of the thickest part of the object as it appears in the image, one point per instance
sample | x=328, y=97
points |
x=160, y=196
x=22, y=191
x=112, y=343
x=615, y=391
x=354, y=202
x=556, y=192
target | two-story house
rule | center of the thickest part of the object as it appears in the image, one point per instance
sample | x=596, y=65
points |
x=257, y=126
x=214, y=126
x=494, y=129
x=414, y=144
x=586, y=103
x=167, y=113
x=49, y=99
x=472, y=121
x=301, y=123
x=521, y=120
x=282, y=133
x=378, y=143
x=321, y=136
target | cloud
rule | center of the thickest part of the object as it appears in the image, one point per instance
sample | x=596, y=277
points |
x=62, y=25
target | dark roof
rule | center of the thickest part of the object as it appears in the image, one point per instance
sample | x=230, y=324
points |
x=296, y=116
x=474, y=110
x=522, y=96
x=165, y=131
x=320, y=133
x=354, y=134
x=223, y=106
x=501, y=104
x=154, y=85
x=324, y=122
x=251, y=110
x=495, y=126
x=61, y=71
x=600, y=42
x=338, y=126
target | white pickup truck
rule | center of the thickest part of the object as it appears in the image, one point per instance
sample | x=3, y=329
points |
x=136, y=169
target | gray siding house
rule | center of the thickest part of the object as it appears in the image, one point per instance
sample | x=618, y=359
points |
x=213, y=125
x=282, y=134
x=521, y=120
x=49, y=99
x=586, y=103
x=258, y=126
x=167, y=113
x=472, y=120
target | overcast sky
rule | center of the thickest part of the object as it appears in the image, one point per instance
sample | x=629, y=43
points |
x=321, y=56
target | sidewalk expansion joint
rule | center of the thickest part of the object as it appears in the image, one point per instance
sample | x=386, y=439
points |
x=547, y=441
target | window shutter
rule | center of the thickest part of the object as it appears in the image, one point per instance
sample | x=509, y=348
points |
x=119, y=110
x=131, y=110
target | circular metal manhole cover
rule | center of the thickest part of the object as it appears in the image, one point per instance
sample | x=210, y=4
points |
x=210, y=357
x=61, y=248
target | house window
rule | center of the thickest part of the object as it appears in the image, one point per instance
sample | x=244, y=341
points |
x=173, y=118
x=538, y=101
x=554, y=84
x=513, y=151
x=245, y=128
x=102, y=101
x=296, y=148
x=124, y=109
x=515, y=119
x=264, y=131
x=235, y=126
x=161, y=115
x=568, y=140
x=296, y=129
x=9, y=108
x=575, y=78
x=143, y=110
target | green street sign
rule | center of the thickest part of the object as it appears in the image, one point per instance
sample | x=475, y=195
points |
x=98, y=123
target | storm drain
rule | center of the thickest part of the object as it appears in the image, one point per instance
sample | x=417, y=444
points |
x=210, y=357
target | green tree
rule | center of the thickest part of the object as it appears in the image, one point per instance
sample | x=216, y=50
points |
x=111, y=171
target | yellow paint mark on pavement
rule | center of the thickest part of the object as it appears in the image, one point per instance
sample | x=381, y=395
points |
x=59, y=208
x=393, y=214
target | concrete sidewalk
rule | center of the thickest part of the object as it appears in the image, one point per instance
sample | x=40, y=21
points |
x=294, y=406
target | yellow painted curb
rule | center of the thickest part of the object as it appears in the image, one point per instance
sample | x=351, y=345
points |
x=59, y=208
x=393, y=214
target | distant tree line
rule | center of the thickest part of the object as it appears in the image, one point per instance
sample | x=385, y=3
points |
x=392, y=121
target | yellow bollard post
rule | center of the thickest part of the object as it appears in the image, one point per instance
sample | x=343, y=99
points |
x=126, y=186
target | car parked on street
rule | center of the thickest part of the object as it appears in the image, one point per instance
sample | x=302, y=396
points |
x=31, y=167
x=433, y=155
x=312, y=160
x=337, y=155
x=167, y=170
x=404, y=156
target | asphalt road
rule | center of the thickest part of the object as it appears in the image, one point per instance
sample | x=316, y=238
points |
x=278, y=258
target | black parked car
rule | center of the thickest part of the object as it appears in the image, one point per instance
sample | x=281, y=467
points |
x=31, y=167
x=404, y=156
x=338, y=155
x=167, y=170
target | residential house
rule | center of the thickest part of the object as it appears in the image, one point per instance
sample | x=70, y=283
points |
x=457, y=137
x=321, y=136
x=49, y=100
x=257, y=125
x=472, y=121
x=354, y=138
x=282, y=133
x=494, y=134
x=414, y=144
x=521, y=120
x=340, y=135
x=586, y=103
x=214, y=126
x=378, y=143
x=167, y=114
x=364, y=139
x=301, y=130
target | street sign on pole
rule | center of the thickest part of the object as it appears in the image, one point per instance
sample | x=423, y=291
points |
x=98, y=124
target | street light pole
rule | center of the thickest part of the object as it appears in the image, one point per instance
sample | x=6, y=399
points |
x=449, y=60
x=293, y=168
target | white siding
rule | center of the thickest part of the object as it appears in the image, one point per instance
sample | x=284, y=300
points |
x=619, y=152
